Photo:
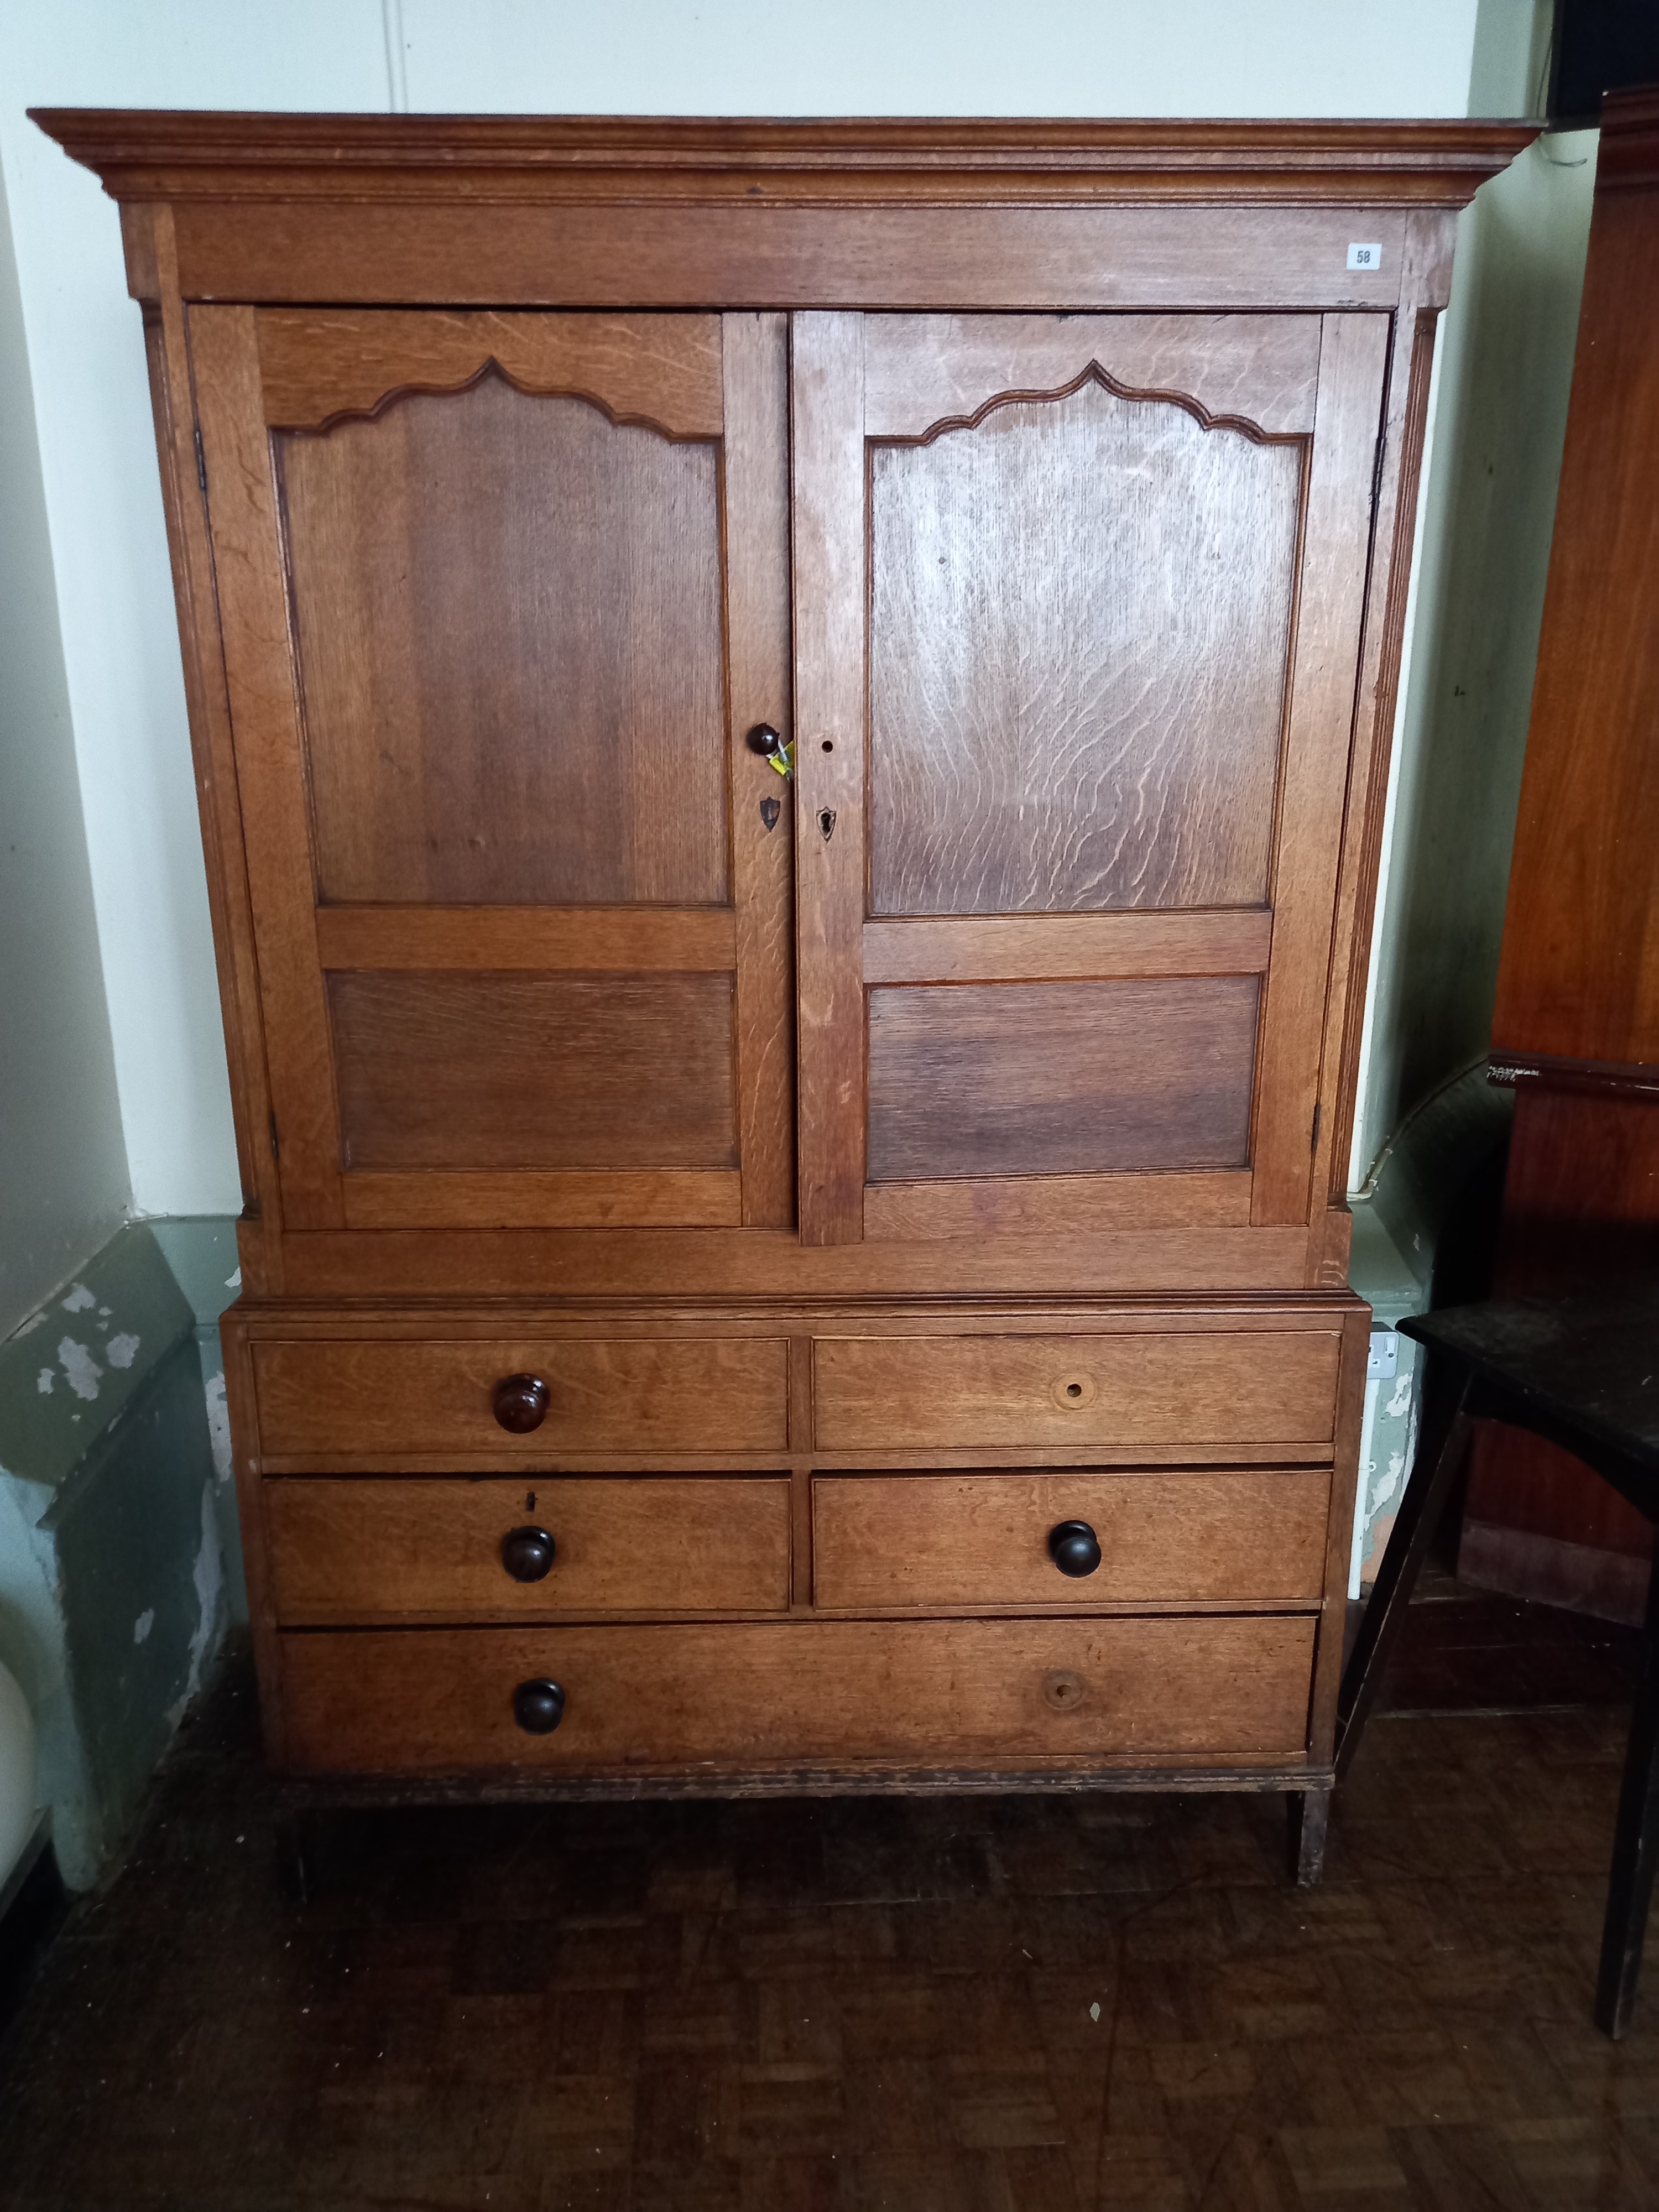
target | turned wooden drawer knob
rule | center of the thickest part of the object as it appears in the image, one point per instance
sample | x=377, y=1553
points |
x=521, y=1402
x=528, y=1554
x=1074, y=1548
x=538, y=1706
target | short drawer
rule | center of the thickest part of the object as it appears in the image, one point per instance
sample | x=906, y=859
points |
x=632, y=1394
x=704, y=1700
x=970, y=1539
x=363, y=1550
x=1221, y=1386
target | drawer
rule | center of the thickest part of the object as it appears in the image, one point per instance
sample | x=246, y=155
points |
x=1224, y=1387
x=968, y=1540
x=710, y=1699
x=347, y=1550
x=624, y=1394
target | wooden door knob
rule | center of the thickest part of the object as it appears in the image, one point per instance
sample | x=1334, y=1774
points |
x=538, y=1706
x=528, y=1554
x=766, y=741
x=1074, y=1548
x=521, y=1402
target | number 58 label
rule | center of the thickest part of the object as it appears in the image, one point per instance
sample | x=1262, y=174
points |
x=1364, y=257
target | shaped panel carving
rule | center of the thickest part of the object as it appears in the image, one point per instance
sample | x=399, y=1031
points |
x=1081, y=614
x=508, y=625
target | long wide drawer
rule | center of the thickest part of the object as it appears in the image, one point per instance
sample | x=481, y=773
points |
x=704, y=1699
x=1226, y=1386
x=627, y=1393
x=360, y=1551
x=971, y=1540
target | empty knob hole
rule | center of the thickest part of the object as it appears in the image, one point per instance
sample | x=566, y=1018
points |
x=828, y=744
x=1074, y=1390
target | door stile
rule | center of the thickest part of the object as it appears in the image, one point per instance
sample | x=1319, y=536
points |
x=754, y=351
x=253, y=610
x=829, y=571
x=1330, y=607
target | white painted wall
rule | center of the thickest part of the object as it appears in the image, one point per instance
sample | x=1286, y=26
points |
x=1355, y=57
x=63, y=1165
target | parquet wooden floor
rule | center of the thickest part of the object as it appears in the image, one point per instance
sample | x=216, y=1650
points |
x=931, y=2006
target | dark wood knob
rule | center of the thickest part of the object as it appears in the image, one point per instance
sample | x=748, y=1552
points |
x=521, y=1402
x=1074, y=1548
x=765, y=740
x=528, y=1554
x=538, y=1706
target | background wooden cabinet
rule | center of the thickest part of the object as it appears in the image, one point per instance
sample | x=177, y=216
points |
x=710, y=1236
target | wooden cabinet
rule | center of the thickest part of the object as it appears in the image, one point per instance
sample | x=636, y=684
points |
x=792, y=722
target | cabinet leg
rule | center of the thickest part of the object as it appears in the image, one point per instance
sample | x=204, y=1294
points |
x=1636, y=1844
x=296, y=1854
x=1310, y=1814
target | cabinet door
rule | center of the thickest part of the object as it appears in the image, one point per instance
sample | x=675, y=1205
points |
x=1077, y=630
x=501, y=594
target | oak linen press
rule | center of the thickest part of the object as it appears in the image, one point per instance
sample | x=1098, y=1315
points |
x=791, y=721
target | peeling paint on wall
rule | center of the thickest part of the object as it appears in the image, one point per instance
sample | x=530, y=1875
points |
x=218, y=1415
x=82, y=1369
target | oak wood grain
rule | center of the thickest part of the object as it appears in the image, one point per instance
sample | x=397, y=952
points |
x=623, y=1261
x=543, y=1198
x=723, y=1698
x=318, y=363
x=1080, y=612
x=1145, y=1389
x=1032, y=948
x=509, y=634
x=970, y=1539
x=1262, y=368
x=447, y=1069
x=638, y=940
x=1318, y=739
x=1027, y=1205
x=755, y=358
x=147, y=153
x=414, y=1396
x=827, y=462
x=1060, y=1078
x=345, y=1553
x=304, y=1133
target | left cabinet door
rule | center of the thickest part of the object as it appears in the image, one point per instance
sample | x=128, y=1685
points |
x=501, y=596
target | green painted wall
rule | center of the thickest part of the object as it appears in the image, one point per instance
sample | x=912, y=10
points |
x=112, y=1584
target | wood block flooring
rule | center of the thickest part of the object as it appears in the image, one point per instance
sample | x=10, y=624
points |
x=976, y=2005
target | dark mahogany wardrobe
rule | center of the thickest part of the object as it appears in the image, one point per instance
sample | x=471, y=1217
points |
x=791, y=722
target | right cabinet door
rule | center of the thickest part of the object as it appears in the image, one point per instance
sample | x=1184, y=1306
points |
x=1077, y=612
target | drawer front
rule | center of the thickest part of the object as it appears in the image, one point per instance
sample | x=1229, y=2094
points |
x=394, y=1394
x=1224, y=1387
x=707, y=1700
x=967, y=1540
x=361, y=1551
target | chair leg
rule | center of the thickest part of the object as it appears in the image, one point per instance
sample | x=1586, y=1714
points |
x=1439, y=1453
x=1636, y=1842
x=1310, y=1814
